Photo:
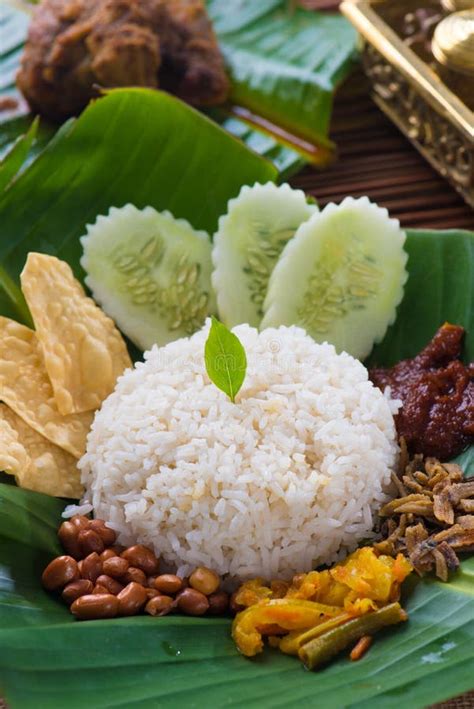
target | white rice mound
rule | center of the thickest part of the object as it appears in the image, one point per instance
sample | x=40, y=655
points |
x=283, y=480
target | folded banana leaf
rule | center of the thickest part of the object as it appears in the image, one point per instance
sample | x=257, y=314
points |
x=285, y=63
x=132, y=145
x=15, y=118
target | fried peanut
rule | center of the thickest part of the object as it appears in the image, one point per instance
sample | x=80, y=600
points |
x=60, y=572
x=204, y=580
x=168, y=584
x=142, y=558
x=192, y=602
x=75, y=589
x=132, y=599
x=112, y=585
x=91, y=567
x=90, y=541
x=115, y=566
x=95, y=606
x=159, y=605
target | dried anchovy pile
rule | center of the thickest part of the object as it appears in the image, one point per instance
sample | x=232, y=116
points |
x=431, y=520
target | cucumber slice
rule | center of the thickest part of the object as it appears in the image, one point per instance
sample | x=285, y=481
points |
x=251, y=236
x=150, y=272
x=341, y=277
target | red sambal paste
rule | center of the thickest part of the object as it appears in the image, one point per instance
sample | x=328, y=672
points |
x=437, y=391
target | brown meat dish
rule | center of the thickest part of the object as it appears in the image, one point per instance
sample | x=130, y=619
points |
x=437, y=391
x=76, y=46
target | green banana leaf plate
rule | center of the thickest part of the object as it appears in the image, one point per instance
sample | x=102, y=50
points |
x=146, y=147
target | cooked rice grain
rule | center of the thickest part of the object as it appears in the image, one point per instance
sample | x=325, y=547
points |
x=286, y=478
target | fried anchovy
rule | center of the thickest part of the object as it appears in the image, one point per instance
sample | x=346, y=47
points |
x=431, y=519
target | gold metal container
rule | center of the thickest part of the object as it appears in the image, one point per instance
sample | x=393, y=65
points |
x=411, y=86
x=453, y=49
x=455, y=5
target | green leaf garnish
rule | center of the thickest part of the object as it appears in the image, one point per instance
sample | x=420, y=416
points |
x=225, y=359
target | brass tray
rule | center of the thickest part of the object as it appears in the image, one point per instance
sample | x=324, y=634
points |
x=407, y=88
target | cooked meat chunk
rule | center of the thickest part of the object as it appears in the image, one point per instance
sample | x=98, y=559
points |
x=74, y=47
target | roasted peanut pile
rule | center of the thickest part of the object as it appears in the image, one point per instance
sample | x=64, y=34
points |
x=99, y=579
x=431, y=520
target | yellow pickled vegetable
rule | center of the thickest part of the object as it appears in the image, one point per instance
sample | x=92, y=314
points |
x=288, y=614
x=320, y=650
x=292, y=642
x=316, y=603
x=371, y=576
x=252, y=592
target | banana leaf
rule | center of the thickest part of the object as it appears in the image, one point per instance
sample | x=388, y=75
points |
x=17, y=155
x=133, y=145
x=285, y=62
x=13, y=26
x=441, y=284
x=16, y=121
x=48, y=660
x=286, y=160
x=313, y=75
x=466, y=461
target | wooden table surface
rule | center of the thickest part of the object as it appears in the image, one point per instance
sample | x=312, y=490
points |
x=375, y=159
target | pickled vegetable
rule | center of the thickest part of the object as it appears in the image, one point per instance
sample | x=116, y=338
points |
x=319, y=605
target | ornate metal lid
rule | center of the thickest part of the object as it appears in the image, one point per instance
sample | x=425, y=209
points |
x=453, y=42
x=454, y=5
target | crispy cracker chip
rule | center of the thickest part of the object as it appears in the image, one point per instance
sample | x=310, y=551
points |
x=25, y=387
x=46, y=467
x=84, y=353
x=13, y=457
